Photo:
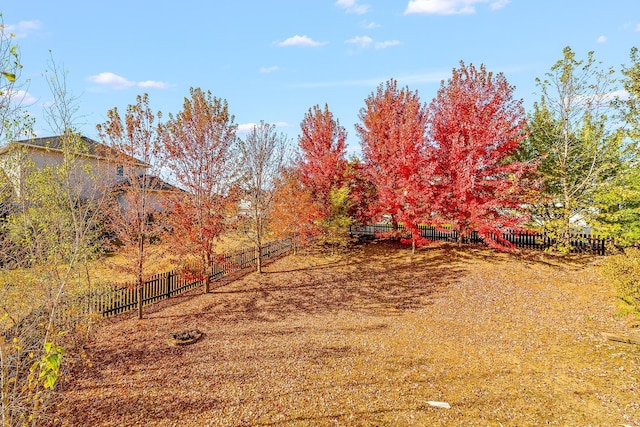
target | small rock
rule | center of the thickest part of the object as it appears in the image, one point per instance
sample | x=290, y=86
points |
x=439, y=404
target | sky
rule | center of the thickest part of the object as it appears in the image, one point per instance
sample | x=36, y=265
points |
x=274, y=60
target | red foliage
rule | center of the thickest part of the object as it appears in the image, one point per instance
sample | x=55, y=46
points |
x=198, y=145
x=475, y=126
x=362, y=192
x=322, y=162
x=395, y=153
x=196, y=225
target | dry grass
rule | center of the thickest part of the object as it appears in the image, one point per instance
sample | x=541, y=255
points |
x=22, y=289
x=367, y=338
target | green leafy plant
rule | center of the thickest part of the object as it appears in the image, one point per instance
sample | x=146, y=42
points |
x=336, y=226
x=48, y=367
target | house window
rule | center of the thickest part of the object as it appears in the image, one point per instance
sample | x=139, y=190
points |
x=120, y=170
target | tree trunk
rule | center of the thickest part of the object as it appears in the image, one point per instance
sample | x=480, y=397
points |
x=140, y=294
x=259, y=259
x=207, y=272
x=259, y=241
x=566, y=231
x=140, y=267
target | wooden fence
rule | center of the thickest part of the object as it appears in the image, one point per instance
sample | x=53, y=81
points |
x=582, y=243
x=119, y=299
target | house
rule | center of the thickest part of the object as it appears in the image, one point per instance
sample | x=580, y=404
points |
x=96, y=169
x=157, y=190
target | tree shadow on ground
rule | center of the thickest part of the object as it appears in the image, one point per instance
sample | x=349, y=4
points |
x=368, y=280
x=281, y=321
x=471, y=252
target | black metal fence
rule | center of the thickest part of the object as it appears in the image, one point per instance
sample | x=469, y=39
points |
x=581, y=243
x=71, y=310
x=165, y=285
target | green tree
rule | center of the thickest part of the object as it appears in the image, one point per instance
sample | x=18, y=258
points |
x=14, y=118
x=571, y=136
x=52, y=224
x=618, y=200
x=336, y=224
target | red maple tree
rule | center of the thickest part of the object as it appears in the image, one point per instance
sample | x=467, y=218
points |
x=322, y=163
x=198, y=145
x=362, y=192
x=394, y=145
x=475, y=126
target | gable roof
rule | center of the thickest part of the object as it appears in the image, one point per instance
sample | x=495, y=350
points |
x=93, y=148
x=153, y=182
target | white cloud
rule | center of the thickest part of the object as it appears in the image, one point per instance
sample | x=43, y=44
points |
x=119, y=83
x=386, y=44
x=301, y=41
x=602, y=39
x=371, y=25
x=602, y=99
x=366, y=41
x=637, y=28
x=111, y=79
x=153, y=84
x=245, y=128
x=21, y=97
x=450, y=7
x=22, y=28
x=362, y=41
x=499, y=4
x=621, y=94
x=269, y=69
x=352, y=6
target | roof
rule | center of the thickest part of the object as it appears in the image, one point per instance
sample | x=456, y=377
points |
x=55, y=143
x=155, y=183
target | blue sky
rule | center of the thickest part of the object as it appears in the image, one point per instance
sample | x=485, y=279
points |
x=273, y=60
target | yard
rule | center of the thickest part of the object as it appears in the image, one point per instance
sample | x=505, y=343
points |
x=368, y=338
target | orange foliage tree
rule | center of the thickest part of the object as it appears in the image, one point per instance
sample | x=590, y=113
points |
x=198, y=146
x=294, y=212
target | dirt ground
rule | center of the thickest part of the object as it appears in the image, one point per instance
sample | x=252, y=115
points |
x=368, y=338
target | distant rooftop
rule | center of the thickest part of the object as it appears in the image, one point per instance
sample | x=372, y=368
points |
x=153, y=183
x=93, y=148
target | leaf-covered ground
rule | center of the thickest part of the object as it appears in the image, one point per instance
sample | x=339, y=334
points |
x=368, y=338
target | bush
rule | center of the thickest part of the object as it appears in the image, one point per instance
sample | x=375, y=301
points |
x=624, y=271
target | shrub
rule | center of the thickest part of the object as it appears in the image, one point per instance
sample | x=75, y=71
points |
x=624, y=271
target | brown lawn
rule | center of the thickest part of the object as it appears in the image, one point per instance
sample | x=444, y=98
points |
x=368, y=338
